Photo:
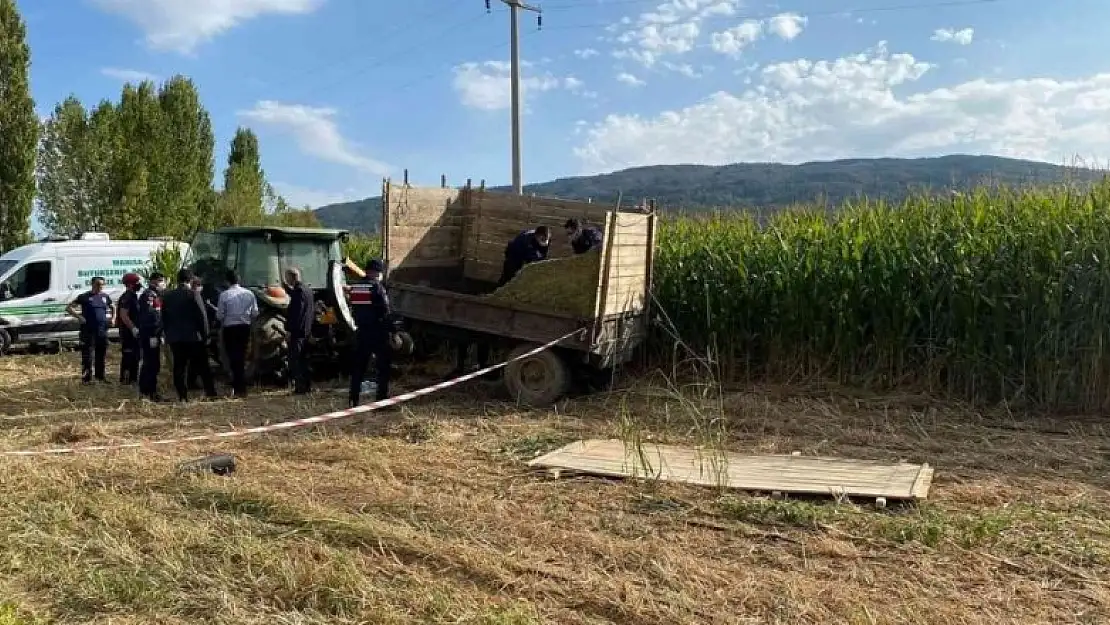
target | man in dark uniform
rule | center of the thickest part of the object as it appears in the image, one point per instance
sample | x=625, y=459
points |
x=149, y=322
x=300, y=315
x=373, y=317
x=128, y=311
x=185, y=323
x=94, y=309
x=527, y=247
x=582, y=239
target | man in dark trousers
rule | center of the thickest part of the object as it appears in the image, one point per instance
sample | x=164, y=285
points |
x=300, y=315
x=128, y=312
x=236, y=309
x=582, y=239
x=373, y=317
x=527, y=247
x=185, y=323
x=94, y=309
x=149, y=322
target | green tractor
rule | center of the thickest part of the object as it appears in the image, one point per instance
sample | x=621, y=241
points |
x=260, y=255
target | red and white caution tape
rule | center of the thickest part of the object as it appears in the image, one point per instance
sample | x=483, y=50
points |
x=296, y=423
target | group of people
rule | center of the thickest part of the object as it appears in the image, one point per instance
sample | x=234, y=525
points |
x=148, y=318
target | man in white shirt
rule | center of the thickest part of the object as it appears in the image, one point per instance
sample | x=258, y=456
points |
x=236, y=310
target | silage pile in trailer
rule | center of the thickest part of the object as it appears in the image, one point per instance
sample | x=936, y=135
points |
x=562, y=285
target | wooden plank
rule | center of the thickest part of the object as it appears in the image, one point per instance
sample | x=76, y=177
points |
x=804, y=475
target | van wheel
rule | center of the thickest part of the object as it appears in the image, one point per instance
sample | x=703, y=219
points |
x=538, y=380
x=5, y=342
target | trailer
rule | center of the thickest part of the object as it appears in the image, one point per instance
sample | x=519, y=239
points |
x=443, y=249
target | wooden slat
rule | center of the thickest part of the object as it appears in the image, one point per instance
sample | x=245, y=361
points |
x=785, y=474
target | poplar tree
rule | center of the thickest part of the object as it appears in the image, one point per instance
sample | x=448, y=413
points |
x=19, y=130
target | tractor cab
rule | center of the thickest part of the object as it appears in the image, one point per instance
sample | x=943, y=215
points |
x=260, y=255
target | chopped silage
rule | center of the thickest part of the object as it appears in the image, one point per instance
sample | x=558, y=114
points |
x=562, y=285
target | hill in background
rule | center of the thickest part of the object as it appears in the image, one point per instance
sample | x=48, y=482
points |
x=765, y=186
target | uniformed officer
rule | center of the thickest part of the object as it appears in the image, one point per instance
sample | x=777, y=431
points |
x=582, y=238
x=128, y=312
x=373, y=317
x=94, y=309
x=527, y=247
x=150, y=336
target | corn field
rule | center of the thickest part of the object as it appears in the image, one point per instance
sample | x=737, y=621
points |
x=987, y=296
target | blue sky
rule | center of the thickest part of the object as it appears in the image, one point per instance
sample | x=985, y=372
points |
x=342, y=92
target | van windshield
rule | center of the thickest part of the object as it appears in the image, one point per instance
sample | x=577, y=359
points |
x=6, y=266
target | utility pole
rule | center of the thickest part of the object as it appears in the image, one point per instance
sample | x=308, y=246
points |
x=515, y=6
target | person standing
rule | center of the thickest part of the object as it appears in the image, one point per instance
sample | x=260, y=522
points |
x=94, y=309
x=128, y=316
x=300, y=315
x=373, y=318
x=236, y=310
x=149, y=322
x=527, y=247
x=185, y=323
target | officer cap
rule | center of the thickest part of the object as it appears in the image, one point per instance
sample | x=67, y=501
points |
x=130, y=279
x=376, y=265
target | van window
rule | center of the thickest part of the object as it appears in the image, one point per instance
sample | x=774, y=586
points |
x=6, y=266
x=29, y=280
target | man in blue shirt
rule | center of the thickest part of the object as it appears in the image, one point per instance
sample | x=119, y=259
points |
x=94, y=310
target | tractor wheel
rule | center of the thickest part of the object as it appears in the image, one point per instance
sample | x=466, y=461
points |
x=5, y=342
x=267, y=348
x=538, y=380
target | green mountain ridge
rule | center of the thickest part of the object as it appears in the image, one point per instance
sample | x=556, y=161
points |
x=766, y=186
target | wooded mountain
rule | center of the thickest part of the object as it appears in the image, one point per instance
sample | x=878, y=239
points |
x=766, y=185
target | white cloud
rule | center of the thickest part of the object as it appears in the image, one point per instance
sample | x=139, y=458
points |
x=182, y=25
x=685, y=69
x=863, y=105
x=630, y=80
x=672, y=28
x=734, y=40
x=486, y=85
x=316, y=133
x=962, y=37
x=128, y=75
x=585, y=53
x=787, y=25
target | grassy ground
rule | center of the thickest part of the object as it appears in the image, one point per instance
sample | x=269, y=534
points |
x=429, y=515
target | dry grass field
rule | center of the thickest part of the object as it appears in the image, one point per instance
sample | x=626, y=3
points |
x=429, y=515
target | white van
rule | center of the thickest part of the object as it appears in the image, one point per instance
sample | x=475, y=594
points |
x=39, y=280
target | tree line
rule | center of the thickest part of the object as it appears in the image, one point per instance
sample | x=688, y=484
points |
x=137, y=167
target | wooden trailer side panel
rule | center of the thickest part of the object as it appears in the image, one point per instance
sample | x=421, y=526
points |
x=423, y=230
x=496, y=217
x=629, y=264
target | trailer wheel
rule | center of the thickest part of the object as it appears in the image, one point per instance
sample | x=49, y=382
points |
x=5, y=342
x=538, y=380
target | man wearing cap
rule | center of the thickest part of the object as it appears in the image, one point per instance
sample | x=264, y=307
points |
x=373, y=318
x=127, y=316
x=94, y=309
x=150, y=336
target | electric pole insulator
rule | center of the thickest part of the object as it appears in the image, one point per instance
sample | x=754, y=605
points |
x=539, y=22
x=488, y=10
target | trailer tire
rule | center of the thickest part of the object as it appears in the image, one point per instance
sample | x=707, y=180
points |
x=538, y=380
x=5, y=342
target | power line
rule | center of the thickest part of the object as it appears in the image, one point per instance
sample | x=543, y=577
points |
x=764, y=16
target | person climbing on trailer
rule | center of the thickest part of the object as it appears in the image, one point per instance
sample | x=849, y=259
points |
x=527, y=247
x=582, y=238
